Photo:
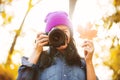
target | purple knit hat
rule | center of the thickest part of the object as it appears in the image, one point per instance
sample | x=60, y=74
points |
x=57, y=18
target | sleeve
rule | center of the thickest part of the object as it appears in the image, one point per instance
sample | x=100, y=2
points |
x=27, y=71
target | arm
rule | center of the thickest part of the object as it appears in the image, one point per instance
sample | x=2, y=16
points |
x=29, y=67
x=88, y=51
x=40, y=41
x=90, y=71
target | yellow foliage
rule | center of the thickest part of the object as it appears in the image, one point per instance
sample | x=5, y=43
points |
x=114, y=62
x=116, y=2
x=7, y=73
x=115, y=57
x=3, y=15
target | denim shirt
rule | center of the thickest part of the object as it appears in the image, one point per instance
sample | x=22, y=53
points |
x=61, y=71
x=57, y=71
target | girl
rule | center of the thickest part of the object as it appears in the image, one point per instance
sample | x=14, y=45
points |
x=58, y=63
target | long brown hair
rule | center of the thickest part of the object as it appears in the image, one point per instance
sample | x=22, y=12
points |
x=71, y=55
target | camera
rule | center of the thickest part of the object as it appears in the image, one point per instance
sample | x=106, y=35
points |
x=56, y=37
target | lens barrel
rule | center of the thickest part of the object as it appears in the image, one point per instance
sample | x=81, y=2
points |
x=56, y=37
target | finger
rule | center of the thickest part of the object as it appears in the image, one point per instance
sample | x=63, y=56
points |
x=44, y=43
x=41, y=37
x=39, y=44
x=88, y=50
x=42, y=40
x=85, y=52
x=38, y=35
x=88, y=44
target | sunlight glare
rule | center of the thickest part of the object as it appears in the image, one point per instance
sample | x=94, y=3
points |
x=16, y=58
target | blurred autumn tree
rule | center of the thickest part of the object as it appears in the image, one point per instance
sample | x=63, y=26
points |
x=109, y=21
x=113, y=62
x=6, y=69
x=6, y=73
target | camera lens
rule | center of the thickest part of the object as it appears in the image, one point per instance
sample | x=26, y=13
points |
x=56, y=37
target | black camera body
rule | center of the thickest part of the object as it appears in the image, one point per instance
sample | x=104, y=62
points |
x=56, y=37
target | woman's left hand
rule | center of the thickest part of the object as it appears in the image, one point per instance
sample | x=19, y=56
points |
x=88, y=50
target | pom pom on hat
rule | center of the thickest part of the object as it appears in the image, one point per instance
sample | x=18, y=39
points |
x=57, y=18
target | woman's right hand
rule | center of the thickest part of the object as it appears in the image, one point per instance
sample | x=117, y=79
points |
x=40, y=41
